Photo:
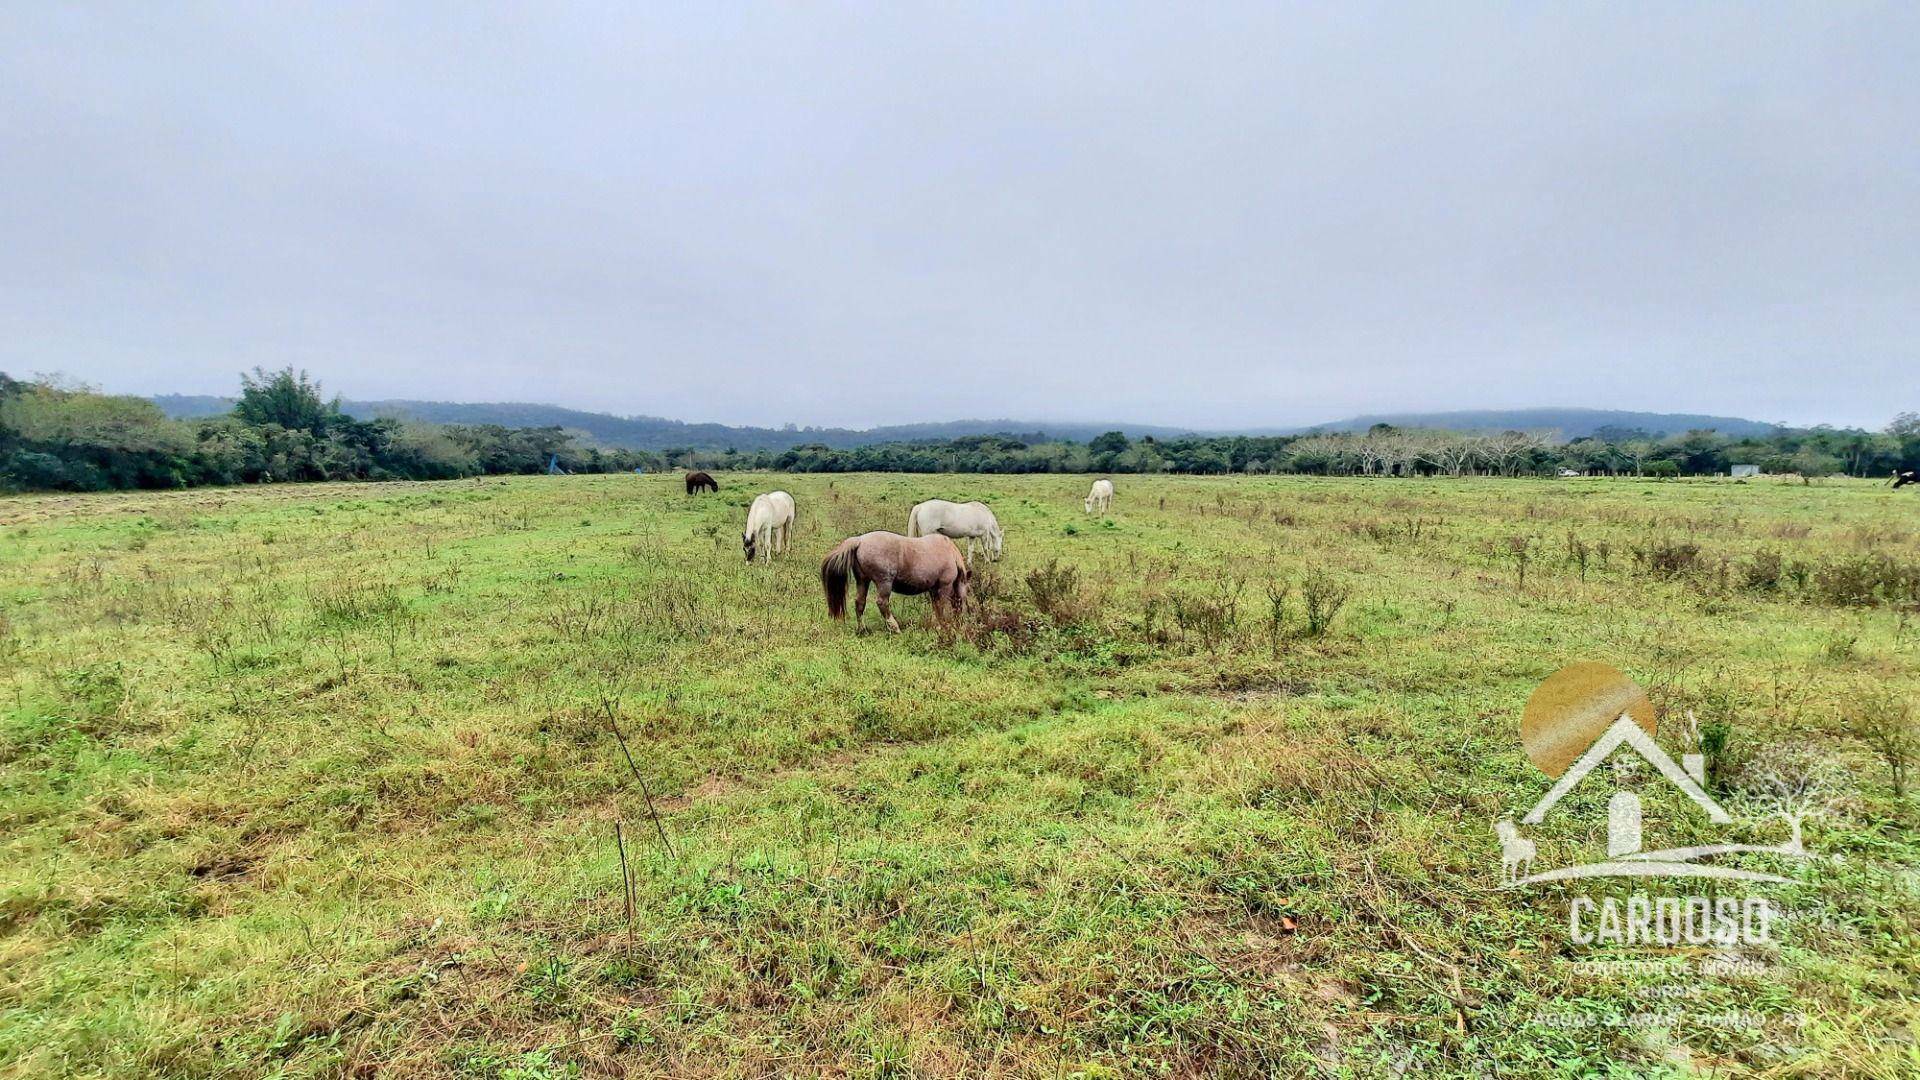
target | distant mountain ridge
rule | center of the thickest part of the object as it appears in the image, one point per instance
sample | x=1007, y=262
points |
x=656, y=433
x=1571, y=423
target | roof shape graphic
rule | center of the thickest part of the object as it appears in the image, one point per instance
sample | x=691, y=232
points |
x=1624, y=730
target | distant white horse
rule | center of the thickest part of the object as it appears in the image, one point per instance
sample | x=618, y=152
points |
x=971, y=522
x=1100, y=497
x=769, y=525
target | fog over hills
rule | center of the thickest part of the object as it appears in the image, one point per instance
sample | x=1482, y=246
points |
x=1570, y=423
x=656, y=433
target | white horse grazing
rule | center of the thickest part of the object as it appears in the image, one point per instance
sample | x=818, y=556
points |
x=1100, y=497
x=971, y=522
x=769, y=524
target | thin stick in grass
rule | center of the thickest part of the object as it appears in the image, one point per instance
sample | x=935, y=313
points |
x=626, y=881
x=645, y=792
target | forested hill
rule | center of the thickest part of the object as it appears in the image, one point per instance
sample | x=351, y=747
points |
x=656, y=433
x=56, y=436
x=1570, y=423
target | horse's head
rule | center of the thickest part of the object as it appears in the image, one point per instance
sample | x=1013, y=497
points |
x=746, y=541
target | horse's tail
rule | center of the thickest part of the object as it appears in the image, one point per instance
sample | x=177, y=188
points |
x=913, y=522
x=833, y=576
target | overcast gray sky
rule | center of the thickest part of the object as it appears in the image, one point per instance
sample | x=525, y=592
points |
x=857, y=214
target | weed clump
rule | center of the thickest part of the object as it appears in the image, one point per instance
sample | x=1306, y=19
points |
x=1762, y=571
x=1211, y=617
x=1886, y=725
x=1863, y=580
x=1667, y=558
x=1055, y=589
x=1323, y=597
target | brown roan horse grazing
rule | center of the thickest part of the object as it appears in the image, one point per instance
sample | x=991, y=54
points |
x=893, y=563
x=698, y=481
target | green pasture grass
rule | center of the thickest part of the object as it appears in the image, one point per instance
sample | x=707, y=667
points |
x=313, y=780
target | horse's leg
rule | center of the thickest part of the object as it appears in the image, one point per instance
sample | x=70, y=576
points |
x=860, y=608
x=943, y=600
x=886, y=604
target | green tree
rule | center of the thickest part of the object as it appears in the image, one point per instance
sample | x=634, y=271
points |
x=55, y=435
x=1812, y=463
x=1905, y=434
x=285, y=397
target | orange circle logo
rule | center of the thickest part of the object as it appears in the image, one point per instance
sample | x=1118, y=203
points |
x=1574, y=707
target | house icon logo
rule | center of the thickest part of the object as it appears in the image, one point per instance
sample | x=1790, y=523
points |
x=1586, y=715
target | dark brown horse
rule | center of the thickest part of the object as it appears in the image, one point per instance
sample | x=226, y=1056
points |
x=893, y=563
x=1902, y=479
x=699, y=481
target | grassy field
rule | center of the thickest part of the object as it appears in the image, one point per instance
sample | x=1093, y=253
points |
x=310, y=780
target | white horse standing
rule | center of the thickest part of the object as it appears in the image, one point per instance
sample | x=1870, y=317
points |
x=769, y=525
x=1101, y=497
x=971, y=522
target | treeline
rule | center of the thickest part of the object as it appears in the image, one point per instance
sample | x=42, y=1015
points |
x=1382, y=451
x=55, y=436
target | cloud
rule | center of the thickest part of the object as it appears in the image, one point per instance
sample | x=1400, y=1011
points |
x=1233, y=217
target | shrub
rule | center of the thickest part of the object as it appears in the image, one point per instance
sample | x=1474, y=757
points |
x=1667, y=559
x=1863, y=580
x=1714, y=738
x=1371, y=529
x=1323, y=597
x=1762, y=572
x=1886, y=723
x=1056, y=591
x=1519, y=548
x=1212, y=616
x=1277, y=593
x=1579, y=553
x=1839, y=648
